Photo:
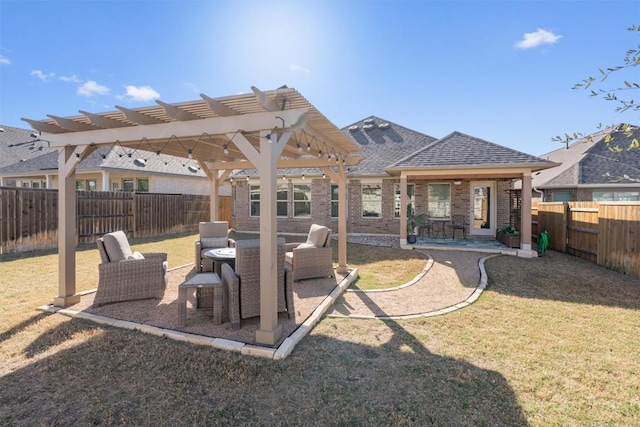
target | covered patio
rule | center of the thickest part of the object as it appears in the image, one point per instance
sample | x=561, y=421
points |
x=262, y=130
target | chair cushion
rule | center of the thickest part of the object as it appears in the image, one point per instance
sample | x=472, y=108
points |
x=317, y=235
x=305, y=245
x=135, y=255
x=288, y=258
x=213, y=242
x=214, y=229
x=117, y=246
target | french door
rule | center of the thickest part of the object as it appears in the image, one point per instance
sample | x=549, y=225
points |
x=483, y=208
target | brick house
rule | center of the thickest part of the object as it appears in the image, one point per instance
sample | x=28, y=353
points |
x=455, y=175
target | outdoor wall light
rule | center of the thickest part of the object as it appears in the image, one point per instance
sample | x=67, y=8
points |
x=457, y=182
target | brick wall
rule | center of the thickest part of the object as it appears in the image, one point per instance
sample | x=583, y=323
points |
x=356, y=224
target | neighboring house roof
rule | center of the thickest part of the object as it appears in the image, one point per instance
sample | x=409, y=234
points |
x=17, y=144
x=115, y=159
x=590, y=162
x=458, y=150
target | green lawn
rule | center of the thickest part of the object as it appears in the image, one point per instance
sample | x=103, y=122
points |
x=552, y=341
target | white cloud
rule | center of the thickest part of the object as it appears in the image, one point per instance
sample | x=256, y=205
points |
x=299, y=68
x=72, y=78
x=41, y=75
x=92, y=88
x=540, y=37
x=4, y=60
x=141, y=93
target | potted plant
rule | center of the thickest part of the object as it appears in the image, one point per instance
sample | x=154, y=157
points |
x=509, y=235
x=413, y=222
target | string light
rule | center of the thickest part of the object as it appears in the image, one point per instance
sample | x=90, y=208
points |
x=225, y=149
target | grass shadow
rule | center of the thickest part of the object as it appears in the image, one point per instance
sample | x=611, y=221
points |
x=5, y=335
x=129, y=378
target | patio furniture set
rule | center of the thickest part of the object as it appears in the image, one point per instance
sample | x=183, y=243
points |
x=227, y=272
x=435, y=228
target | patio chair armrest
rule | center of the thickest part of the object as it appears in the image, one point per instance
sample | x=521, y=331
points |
x=231, y=299
x=231, y=243
x=155, y=255
x=288, y=247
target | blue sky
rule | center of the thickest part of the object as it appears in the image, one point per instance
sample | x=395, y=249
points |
x=501, y=71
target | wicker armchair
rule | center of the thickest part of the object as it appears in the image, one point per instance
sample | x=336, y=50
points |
x=242, y=287
x=212, y=235
x=314, y=257
x=125, y=275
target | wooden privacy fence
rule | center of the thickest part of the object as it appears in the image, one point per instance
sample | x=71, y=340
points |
x=607, y=233
x=29, y=217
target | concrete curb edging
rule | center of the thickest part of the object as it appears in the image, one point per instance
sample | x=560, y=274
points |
x=279, y=353
x=482, y=285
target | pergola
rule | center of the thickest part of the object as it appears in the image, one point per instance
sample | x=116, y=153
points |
x=259, y=130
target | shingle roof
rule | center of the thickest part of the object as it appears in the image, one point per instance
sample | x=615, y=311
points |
x=387, y=146
x=460, y=150
x=115, y=159
x=383, y=143
x=590, y=161
x=17, y=144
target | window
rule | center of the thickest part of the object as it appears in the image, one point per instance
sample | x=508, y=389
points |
x=371, y=200
x=25, y=184
x=334, y=201
x=302, y=201
x=127, y=184
x=143, y=185
x=35, y=184
x=562, y=196
x=92, y=185
x=439, y=201
x=282, y=200
x=411, y=193
x=616, y=196
x=80, y=185
x=115, y=186
x=254, y=200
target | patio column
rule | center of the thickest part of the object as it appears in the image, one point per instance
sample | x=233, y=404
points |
x=66, y=228
x=525, y=215
x=265, y=161
x=105, y=181
x=343, y=268
x=403, y=209
x=213, y=195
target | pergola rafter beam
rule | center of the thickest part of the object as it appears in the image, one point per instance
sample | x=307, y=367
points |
x=103, y=122
x=139, y=118
x=72, y=124
x=44, y=127
x=176, y=113
x=189, y=129
x=217, y=107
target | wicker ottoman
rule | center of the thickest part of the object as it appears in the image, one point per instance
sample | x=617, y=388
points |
x=202, y=281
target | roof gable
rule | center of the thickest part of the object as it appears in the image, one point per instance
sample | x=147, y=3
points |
x=460, y=150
